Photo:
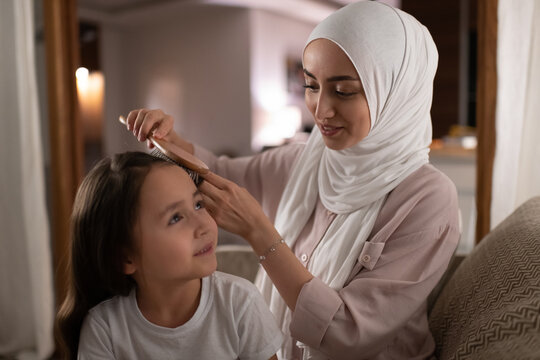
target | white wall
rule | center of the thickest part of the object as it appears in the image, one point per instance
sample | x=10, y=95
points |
x=274, y=38
x=220, y=71
x=193, y=63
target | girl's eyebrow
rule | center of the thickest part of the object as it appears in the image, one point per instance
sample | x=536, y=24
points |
x=175, y=204
x=333, y=78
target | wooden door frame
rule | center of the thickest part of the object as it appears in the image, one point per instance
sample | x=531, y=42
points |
x=62, y=58
x=485, y=112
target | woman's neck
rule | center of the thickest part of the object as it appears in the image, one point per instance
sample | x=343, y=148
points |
x=169, y=306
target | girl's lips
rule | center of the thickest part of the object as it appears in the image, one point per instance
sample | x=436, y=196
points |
x=329, y=130
x=208, y=249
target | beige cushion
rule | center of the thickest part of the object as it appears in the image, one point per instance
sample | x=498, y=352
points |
x=239, y=260
x=490, y=308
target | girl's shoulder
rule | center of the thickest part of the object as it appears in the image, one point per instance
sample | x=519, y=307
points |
x=111, y=308
x=230, y=285
x=233, y=293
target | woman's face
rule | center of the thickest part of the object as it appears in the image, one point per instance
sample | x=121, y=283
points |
x=175, y=237
x=335, y=95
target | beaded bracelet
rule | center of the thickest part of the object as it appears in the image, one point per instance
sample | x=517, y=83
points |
x=271, y=249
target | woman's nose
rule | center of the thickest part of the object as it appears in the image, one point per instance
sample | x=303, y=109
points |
x=325, y=107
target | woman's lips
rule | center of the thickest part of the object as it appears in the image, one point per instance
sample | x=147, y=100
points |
x=329, y=131
x=208, y=249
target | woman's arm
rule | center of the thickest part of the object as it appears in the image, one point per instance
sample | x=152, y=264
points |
x=419, y=232
x=377, y=306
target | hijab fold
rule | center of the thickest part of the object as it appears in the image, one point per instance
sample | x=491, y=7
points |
x=396, y=60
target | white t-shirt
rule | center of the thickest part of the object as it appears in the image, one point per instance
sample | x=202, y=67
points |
x=232, y=321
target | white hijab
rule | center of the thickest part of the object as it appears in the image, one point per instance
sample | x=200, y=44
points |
x=396, y=60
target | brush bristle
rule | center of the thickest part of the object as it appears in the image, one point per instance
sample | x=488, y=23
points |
x=192, y=174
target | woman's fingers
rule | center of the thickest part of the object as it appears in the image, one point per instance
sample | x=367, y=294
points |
x=144, y=122
x=138, y=123
x=206, y=188
x=130, y=120
x=210, y=205
x=218, y=206
x=164, y=127
x=210, y=190
x=150, y=121
x=218, y=181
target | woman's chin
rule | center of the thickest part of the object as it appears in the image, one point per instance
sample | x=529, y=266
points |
x=341, y=143
x=333, y=144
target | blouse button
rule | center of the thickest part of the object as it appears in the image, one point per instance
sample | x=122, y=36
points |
x=303, y=257
x=366, y=258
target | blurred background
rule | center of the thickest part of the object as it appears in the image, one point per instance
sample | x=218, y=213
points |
x=229, y=72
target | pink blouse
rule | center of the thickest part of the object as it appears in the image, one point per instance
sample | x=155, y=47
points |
x=381, y=312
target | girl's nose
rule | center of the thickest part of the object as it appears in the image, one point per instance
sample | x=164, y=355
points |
x=202, y=223
x=325, y=107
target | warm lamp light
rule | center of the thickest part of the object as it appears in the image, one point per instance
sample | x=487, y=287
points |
x=81, y=74
x=278, y=126
x=90, y=91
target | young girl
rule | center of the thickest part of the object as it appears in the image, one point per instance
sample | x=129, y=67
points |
x=143, y=265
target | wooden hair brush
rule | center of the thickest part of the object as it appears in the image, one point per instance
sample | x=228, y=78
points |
x=168, y=151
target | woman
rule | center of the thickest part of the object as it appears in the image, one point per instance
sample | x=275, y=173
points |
x=368, y=225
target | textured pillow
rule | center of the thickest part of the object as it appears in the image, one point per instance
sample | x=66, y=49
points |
x=490, y=308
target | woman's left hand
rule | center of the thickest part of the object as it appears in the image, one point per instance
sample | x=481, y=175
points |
x=236, y=210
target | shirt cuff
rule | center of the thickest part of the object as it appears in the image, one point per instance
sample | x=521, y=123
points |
x=315, y=308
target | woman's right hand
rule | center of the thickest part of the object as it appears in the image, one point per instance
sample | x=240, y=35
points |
x=144, y=123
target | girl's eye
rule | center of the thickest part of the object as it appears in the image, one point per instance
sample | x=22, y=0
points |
x=345, y=93
x=199, y=205
x=175, y=218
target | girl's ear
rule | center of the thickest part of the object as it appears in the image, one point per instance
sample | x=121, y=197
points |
x=129, y=266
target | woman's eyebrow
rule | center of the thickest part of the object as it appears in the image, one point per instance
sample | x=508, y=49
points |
x=333, y=78
x=342, y=78
x=309, y=74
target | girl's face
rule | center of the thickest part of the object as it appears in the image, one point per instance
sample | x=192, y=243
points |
x=335, y=95
x=175, y=237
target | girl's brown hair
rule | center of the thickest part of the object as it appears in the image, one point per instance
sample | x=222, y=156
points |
x=102, y=221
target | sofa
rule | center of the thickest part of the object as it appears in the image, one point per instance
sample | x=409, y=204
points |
x=489, y=307
x=487, y=304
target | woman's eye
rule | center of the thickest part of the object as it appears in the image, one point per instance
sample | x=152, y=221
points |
x=175, y=218
x=345, y=93
x=310, y=87
x=199, y=205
